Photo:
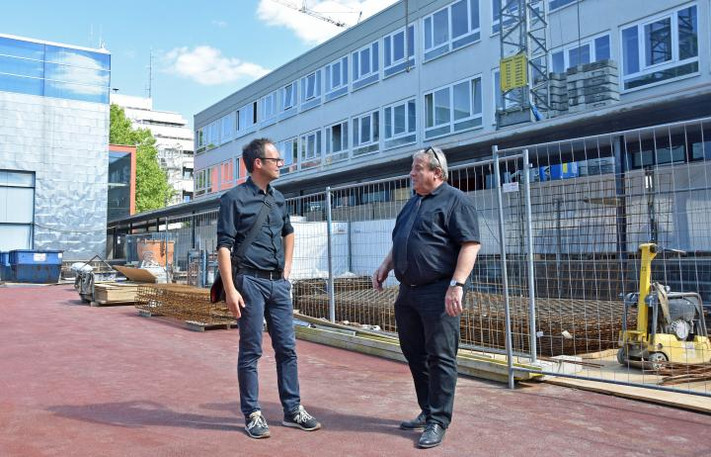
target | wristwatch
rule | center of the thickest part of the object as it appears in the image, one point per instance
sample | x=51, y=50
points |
x=454, y=283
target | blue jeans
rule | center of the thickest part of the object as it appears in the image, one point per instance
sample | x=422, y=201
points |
x=268, y=300
x=429, y=339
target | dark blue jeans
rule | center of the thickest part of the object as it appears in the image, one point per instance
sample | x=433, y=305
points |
x=268, y=300
x=429, y=339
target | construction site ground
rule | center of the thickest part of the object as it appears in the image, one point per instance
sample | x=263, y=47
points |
x=77, y=380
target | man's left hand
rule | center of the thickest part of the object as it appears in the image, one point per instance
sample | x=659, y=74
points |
x=453, y=301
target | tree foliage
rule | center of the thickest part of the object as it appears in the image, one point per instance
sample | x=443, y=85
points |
x=152, y=188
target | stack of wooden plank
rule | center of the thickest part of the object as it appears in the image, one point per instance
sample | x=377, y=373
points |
x=115, y=293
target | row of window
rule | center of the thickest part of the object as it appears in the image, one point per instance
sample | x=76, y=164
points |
x=54, y=71
x=450, y=109
x=653, y=50
x=445, y=30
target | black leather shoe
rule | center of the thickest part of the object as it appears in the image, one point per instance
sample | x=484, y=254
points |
x=432, y=436
x=417, y=423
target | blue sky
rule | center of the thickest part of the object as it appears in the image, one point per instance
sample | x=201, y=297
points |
x=202, y=50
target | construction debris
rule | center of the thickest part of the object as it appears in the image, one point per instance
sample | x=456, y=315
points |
x=677, y=373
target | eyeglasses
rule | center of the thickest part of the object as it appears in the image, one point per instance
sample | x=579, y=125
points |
x=279, y=161
x=435, y=155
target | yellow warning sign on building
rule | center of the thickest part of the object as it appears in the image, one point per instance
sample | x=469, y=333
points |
x=513, y=72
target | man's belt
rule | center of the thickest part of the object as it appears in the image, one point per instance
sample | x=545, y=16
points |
x=271, y=275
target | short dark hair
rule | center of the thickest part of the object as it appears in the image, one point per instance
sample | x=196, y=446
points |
x=254, y=150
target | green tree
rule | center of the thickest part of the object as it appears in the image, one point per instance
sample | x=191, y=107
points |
x=152, y=188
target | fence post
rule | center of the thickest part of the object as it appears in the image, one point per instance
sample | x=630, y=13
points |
x=504, y=272
x=531, y=271
x=329, y=234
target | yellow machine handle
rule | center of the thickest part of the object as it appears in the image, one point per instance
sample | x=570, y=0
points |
x=648, y=252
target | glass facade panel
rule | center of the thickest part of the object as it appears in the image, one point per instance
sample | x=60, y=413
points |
x=77, y=57
x=70, y=73
x=400, y=119
x=21, y=67
x=441, y=103
x=555, y=4
x=688, y=33
x=462, y=101
x=441, y=27
x=602, y=48
x=119, y=202
x=19, y=48
x=658, y=39
x=580, y=55
x=474, y=14
x=22, y=85
x=81, y=75
x=663, y=49
x=630, y=50
x=398, y=46
x=460, y=20
x=411, y=116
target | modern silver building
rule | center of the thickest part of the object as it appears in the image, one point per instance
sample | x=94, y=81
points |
x=54, y=124
x=427, y=72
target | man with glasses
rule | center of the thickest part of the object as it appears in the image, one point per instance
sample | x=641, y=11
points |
x=435, y=244
x=257, y=287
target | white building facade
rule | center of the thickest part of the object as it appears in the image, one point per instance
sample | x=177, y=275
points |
x=54, y=125
x=426, y=72
x=174, y=141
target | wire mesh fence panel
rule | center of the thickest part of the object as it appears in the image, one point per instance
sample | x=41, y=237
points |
x=602, y=208
x=195, y=239
x=483, y=324
x=610, y=216
x=357, y=222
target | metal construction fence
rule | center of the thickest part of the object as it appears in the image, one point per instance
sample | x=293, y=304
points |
x=561, y=227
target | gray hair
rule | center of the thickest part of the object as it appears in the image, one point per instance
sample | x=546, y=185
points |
x=436, y=159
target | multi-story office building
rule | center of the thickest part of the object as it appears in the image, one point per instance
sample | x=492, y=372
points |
x=174, y=141
x=54, y=162
x=426, y=72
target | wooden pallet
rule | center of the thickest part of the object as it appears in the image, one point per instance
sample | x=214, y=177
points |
x=194, y=326
x=111, y=303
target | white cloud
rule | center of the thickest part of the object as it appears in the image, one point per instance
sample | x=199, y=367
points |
x=313, y=30
x=219, y=23
x=206, y=65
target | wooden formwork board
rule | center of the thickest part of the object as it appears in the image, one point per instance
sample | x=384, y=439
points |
x=388, y=347
x=114, y=293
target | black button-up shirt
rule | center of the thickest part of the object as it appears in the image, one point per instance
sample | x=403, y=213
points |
x=239, y=209
x=428, y=252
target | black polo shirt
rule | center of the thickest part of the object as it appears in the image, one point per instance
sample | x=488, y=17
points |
x=443, y=220
x=239, y=209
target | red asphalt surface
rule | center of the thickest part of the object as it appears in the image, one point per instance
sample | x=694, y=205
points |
x=83, y=381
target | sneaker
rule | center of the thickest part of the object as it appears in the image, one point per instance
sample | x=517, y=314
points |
x=301, y=419
x=257, y=426
x=417, y=423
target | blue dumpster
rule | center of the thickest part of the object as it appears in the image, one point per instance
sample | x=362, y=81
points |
x=5, y=270
x=35, y=266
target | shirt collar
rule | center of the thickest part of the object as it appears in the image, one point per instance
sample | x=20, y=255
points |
x=256, y=189
x=436, y=190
